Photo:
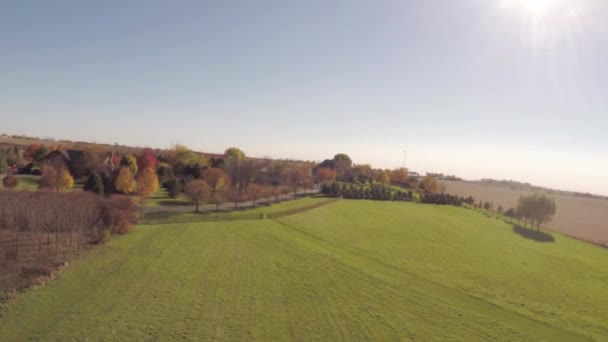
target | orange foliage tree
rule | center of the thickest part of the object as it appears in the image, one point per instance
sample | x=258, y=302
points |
x=147, y=182
x=124, y=181
x=326, y=175
x=197, y=191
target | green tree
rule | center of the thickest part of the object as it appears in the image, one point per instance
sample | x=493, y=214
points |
x=234, y=153
x=537, y=208
x=94, y=184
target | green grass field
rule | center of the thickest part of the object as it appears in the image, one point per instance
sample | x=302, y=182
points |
x=351, y=270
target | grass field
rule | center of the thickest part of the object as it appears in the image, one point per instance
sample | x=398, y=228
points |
x=351, y=270
x=580, y=217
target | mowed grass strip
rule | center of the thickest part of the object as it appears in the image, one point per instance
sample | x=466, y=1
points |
x=352, y=270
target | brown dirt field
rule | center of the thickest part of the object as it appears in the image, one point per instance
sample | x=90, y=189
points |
x=579, y=217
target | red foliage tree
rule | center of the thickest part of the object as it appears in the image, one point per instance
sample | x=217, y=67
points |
x=147, y=159
x=31, y=151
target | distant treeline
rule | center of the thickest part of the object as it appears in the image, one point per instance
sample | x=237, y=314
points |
x=383, y=193
x=529, y=187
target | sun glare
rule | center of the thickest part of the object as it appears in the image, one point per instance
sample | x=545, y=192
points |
x=538, y=6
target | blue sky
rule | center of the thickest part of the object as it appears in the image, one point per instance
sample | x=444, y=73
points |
x=478, y=88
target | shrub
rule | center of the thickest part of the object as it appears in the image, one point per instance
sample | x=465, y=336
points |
x=10, y=181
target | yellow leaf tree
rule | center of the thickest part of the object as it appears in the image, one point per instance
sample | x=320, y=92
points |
x=383, y=178
x=124, y=182
x=56, y=177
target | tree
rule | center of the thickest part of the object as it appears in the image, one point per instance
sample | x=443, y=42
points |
x=234, y=153
x=197, y=191
x=343, y=164
x=399, y=175
x=236, y=196
x=488, y=205
x=538, y=208
x=94, y=184
x=296, y=176
x=147, y=159
x=326, y=175
x=55, y=177
x=31, y=152
x=254, y=192
x=165, y=173
x=147, y=182
x=174, y=187
x=240, y=172
x=181, y=157
x=500, y=210
x=215, y=178
x=383, y=178
x=10, y=181
x=429, y=184
x=131, y=162
x=124, y=181
x=3, y=164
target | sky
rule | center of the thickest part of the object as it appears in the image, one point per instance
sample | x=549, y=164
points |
x=506, y=89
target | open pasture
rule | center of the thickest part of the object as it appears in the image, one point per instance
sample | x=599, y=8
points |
x=350, y=270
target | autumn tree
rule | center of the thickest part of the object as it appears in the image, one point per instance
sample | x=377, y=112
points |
x=131, y=162
x=297, y=176
x=429, y=184
x=215, y=178
x=147, y=182
x=383, y=178
x=254, y=192
x=235, y=196
x=326, y=175
x=125, y=182
x=55, y=177
x=94, y=184
x=31, y=152
x=147, y=159
x=197, y=191
x=399, y=175
x=10, y=181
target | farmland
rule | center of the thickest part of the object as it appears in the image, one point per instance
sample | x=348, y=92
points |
x=350, y=270
x=580, y=217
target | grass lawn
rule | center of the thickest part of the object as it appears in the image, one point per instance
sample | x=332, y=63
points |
x=162, y=198
x=28, y=182
x=351, y=270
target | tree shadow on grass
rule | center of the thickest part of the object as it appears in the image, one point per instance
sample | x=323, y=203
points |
x=531, y=234
x=174, y=203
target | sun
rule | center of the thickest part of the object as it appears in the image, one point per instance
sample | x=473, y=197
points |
x=538, y=7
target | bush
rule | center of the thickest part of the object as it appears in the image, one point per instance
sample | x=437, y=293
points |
x=10, y=181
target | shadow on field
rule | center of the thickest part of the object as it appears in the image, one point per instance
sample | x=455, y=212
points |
x=174, y=203
x=531, y=234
